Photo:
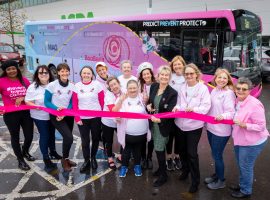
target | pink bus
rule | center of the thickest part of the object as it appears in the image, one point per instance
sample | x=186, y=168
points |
x=210, y=39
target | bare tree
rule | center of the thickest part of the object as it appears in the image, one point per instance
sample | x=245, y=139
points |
x=11, y=20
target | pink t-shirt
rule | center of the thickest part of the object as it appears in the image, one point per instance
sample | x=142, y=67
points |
x=12, y=89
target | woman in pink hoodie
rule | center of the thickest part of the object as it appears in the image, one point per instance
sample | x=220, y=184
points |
x=222, y=107
x=193, y=96
x=249, y=135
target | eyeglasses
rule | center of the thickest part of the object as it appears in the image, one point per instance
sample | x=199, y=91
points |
x=43, y=73
x=242, y=89
x=189, y=74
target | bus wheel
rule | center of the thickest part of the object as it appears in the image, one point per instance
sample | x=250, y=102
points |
x=53, y=71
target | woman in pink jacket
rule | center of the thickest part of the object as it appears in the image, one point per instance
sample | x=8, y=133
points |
x=193, y=96
x=249, y=135
x=222, y=107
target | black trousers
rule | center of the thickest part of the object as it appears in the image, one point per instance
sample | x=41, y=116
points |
x=172, y=137
x=14, y=121
x=161, y=157
x=134, y=146
x=108, y=133
x=150, y=148
x=65, y=127
x=188, y=149
x=93, y=125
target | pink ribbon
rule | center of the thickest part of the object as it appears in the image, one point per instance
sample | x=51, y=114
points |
x=94, y=113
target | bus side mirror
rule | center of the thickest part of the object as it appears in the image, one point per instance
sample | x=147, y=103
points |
x=229, y=37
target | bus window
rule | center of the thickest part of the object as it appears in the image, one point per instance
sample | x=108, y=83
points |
x=168, y=44
x=200, y=48
x=242, y=53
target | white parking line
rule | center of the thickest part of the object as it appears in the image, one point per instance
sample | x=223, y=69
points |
x=62, y=189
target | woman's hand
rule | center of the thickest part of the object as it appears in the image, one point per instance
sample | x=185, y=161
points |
x=155, y=120
x=150, y=109
x=2, y=112
x=239, y=123
x=59, y=118
x=18, y=101
x=80, y=122
x=189, y=109
x=60, y=108
x=122, y=97
x=145, y=97
x=175, y=109
x=219, y=118
x=118, y=119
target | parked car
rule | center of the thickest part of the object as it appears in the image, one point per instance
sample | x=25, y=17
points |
x=7, y=52
x=21, y=50
x=265, y=62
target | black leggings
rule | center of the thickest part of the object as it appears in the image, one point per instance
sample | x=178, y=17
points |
x=108, y=133
x=65, y=127
x=189, y=141
x=133, y=145
x=93, y=125
x=172, y=137
x=14, y=121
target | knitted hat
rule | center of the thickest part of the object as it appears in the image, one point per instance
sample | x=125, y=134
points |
x=143, y=66
x=9, y=63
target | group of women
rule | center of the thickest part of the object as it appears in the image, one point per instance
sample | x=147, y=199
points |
x=177, y=87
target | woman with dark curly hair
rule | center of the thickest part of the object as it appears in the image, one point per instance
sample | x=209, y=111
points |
x=35, y=97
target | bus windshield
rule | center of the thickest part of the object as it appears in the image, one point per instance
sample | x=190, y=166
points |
x=243, y=53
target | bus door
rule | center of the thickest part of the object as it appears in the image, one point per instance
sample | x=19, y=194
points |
x=200, y=48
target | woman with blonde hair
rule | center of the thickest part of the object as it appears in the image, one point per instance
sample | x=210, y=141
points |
x=177, y=66
x=192, y=97
x=222, y=107
x=162, y=98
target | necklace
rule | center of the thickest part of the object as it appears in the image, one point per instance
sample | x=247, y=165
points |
x=192, y=94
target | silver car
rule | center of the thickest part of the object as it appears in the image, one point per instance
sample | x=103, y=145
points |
x=265, y=62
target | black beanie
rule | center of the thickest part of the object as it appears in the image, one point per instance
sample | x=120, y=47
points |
x=9, y=63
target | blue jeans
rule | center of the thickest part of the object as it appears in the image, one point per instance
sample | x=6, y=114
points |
x=217, y=144
x=246, y=157
x=47, y=137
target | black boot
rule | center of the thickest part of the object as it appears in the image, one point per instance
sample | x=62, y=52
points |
x=85, y=166
x=94, y=163
x=149, y=163
x=49, y=164
x=193, y=188
x=55, y=155
x=183, y=176
x=162, y=178
x=23, y=165
x=27, y=155
x=157, y=172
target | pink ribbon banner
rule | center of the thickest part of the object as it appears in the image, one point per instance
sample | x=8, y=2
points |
x=129, y=115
